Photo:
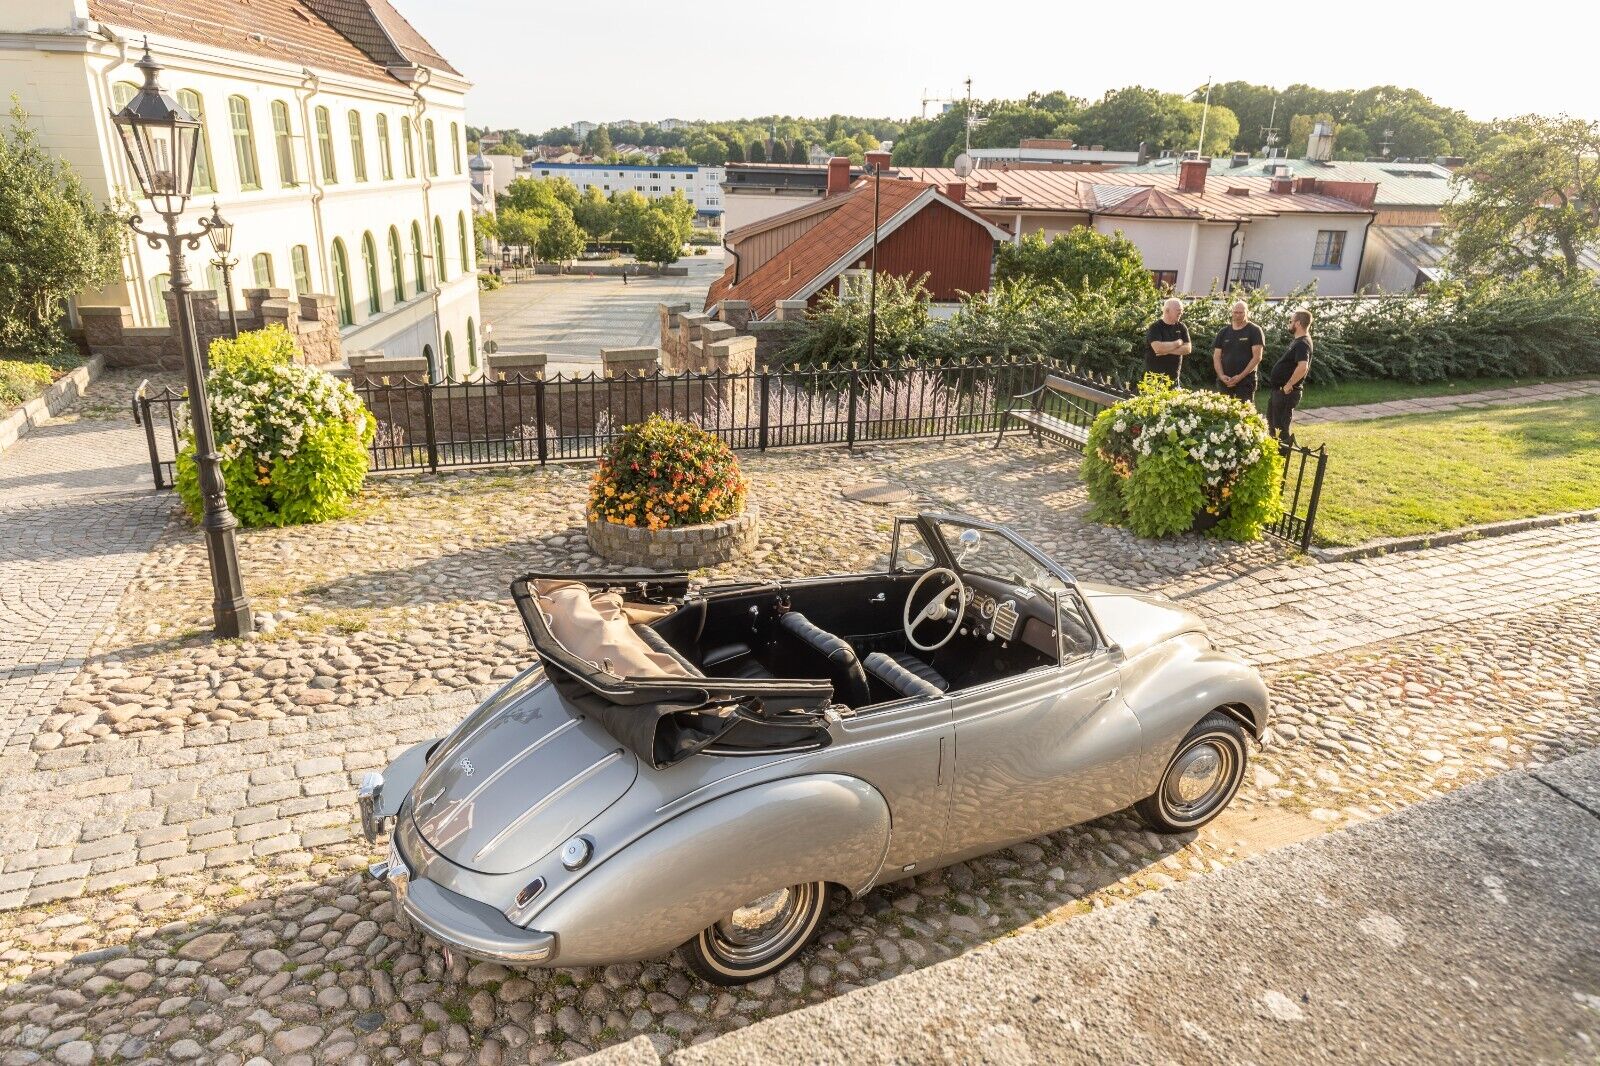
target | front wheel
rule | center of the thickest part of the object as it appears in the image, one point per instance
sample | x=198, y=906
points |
x=1204, y=775
x=759, y=938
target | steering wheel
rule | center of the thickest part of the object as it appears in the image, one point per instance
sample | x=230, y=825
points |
x=935, y=610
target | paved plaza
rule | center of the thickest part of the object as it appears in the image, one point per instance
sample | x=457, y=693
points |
x=572, y=316
x=180, y=869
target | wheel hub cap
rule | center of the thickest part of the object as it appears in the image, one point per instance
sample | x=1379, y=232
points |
x=1196, y=774
x=758, y=920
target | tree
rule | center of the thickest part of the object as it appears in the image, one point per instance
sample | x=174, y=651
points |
x=561, y=241
x=594, y=215
x=736, y=152
x=519, y=229
x=678, y=212
x=54, y=240
x=505, y=149
x=708, y=150
x=797, y=152
x=598, y=143
x=758, y=151
x=1533, y=202
x=658, y=240
x=1081, y=258
x=628, y=210
x=674, y=157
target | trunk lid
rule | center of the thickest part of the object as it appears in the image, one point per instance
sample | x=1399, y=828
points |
x=518, y=782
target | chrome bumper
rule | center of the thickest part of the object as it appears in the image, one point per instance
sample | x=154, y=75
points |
x=368, y=796
x=475, y=929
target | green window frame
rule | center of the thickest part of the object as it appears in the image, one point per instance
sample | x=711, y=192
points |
x=449, y=356
x=369, y=259
x=430, y=152
x=341, y=284
x=385, y=157
x=261, y=268
x=397, y=262
x=244, y=143
x=121, y=93
x=358, y=147
x=461, y=235
x=472, y=347
x=330, y=167
x=158, y=298
x=439, y=269
x=300, y=264
x=416, y=257
x=204, y=173
x=455, y=146
x=283, y=139
x=408, y=149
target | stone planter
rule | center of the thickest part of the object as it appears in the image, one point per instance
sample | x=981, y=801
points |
x=681, y=548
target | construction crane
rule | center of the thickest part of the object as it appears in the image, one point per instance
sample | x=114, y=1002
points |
x=926, y=100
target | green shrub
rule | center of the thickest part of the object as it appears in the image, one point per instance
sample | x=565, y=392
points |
x=21, y=382
x=1157, y=461
x=293, y=439
x=662, y=473
x=488, y=282
x=835, y=333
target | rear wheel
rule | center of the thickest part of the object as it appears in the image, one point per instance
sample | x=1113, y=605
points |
x=758, y=938
x=1202, y=778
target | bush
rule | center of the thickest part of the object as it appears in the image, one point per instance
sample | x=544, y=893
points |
x=293, y=439
x=21, y=382
x=488, y=282
x=661, y=473
x=1160, y=460
x=836, y=332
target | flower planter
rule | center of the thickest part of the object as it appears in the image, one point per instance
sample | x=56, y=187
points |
x=677, y=548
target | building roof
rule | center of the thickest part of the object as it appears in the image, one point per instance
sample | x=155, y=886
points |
x=360, y=37
x=1399, y=184
x=816, y=256
x=1424, y=248
x=1147, y=195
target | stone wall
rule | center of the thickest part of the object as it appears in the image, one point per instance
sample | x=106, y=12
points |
x=685, y=334
x=312, y=320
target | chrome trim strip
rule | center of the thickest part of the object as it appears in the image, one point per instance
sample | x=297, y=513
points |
x=549, y=797
x=507, y=765
x=541, y=947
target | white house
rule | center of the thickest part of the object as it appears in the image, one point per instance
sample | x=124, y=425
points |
x=334, y=140
x=701, y=186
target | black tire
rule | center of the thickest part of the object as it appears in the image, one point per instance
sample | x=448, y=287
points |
x=726, y=954
x=1201, y=779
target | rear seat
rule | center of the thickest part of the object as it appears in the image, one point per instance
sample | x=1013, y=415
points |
x=656, y=642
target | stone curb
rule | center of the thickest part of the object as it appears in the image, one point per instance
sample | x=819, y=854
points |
x=52, y=401
x=1375, y=548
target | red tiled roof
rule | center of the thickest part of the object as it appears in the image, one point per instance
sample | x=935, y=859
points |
x=289, y=31
x=798, y=267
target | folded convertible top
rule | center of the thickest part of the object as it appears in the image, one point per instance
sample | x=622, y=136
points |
x=665, y=719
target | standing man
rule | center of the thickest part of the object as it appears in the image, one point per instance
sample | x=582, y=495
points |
x=1237, y=353
x=1288, y=378
x=1166, y=342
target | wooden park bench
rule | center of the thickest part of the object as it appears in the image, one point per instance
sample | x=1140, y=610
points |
x=1060, y=408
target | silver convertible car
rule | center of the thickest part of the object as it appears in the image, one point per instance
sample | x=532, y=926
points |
x=703, y=769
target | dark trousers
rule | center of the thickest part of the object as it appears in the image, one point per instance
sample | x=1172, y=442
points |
x=1280, y=414
x=1245, y=390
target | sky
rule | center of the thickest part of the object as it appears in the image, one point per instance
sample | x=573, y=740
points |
x=538, y=65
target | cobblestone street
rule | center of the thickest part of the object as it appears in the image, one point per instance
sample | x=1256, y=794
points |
x=179, y=864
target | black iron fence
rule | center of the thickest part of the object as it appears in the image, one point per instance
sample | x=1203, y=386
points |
x=519, y=420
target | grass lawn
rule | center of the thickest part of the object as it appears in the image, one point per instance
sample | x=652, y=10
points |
x=1393, y=477
x=1345, y=393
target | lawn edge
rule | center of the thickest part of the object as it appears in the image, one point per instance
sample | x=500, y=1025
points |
x=57, y=397
x=1420, y=541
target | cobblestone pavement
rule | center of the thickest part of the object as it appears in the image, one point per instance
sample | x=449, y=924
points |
x=78, y=517
x=296, y=958
x=1551, y=390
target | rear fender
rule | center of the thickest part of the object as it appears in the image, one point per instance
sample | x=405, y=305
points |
x=681, y=877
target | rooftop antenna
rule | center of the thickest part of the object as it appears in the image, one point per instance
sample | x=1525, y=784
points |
x=971, y=119
x=1386, y=144
x=1269, y=132
x=1205, y=113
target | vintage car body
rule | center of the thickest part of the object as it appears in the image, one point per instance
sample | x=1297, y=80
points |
x=544, y=831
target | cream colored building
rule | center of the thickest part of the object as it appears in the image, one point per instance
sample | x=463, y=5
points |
x=335, y=141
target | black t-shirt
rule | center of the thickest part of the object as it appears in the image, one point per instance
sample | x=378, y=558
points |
x=1236, y=345
x=1161, y=330
x=1299, y=351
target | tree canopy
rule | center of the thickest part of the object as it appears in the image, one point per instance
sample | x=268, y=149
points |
x=1081, y=258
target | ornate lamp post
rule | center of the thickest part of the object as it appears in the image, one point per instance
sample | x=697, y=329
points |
x=220, y=234
x=161, y=139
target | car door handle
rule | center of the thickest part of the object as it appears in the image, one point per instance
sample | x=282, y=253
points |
x=1109, y=696
x=879, y=598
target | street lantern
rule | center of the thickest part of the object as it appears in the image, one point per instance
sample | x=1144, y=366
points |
x=160, y=139
x=220, y=234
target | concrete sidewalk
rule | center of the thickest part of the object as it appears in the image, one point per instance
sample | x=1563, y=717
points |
x=1463, y=929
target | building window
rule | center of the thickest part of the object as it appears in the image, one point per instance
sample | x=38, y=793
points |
x=158, y=297
x=427, y=355
x=429, y=151
x=341, y=284
x=1165, y=279
x=121, y=93
x=472, y=347
x=214, y=281
x=455, y=146
x=407, y=149
x=244, y=142
x=449, y=356
x=300, y=263
x=461, y=235
x=416, y=257
x=190, y=101
x=438, y=251
x=261, y=267
x=369, y=259
x=358, y=147
x=283, y=138
x=385, y=160
x=1329, y=254
x=330, y=172
x=398, y=264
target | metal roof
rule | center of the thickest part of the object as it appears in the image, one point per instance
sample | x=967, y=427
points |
x=1399, y=184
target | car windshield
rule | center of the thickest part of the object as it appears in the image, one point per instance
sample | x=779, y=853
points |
x=980, y=551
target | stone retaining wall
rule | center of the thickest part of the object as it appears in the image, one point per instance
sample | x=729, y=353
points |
x=683, y=548
x=61, y=394
x=312, y=320
x=687, y=334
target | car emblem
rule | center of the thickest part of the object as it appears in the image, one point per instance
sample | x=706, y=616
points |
x=466, y=766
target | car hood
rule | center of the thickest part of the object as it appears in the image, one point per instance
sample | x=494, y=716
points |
x=1135, y=621
x=517, y=780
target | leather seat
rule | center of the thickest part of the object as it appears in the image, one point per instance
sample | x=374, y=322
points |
x=906, y=674
x=830, y=654
x=734, y=660
x=656, y=642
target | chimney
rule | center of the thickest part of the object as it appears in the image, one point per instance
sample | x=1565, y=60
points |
x=1144, y=153
x=1240, y=159
x=879, y=161
x=1192, y=175
x=956, y=190
x=1282, y=185
x=1305, y=185
x=838, y=174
